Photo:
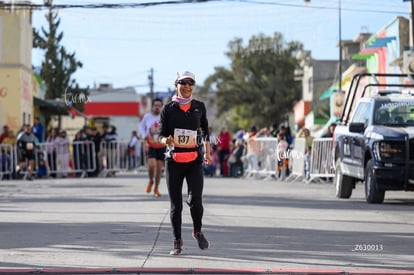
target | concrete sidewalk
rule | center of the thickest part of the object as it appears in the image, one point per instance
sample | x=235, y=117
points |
x=110, y=225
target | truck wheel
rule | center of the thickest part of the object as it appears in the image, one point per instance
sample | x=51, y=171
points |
x=372, y=194
x=344, y=184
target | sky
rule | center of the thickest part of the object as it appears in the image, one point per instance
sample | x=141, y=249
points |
x=121, y=46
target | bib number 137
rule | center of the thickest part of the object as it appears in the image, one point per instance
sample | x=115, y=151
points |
x=185, y=138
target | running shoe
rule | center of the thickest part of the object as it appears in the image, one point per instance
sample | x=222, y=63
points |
x=177, y=247
x=157, y=192
x=201, y=239
x=149, y=187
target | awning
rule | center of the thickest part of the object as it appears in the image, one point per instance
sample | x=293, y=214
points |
x=365, y=54
x=381, y=42
x=50, y=106
x=372, y=47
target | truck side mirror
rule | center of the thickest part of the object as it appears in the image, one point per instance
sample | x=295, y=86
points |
x=357, y=127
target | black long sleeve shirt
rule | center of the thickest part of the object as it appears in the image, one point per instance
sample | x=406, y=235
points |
x=194, y=119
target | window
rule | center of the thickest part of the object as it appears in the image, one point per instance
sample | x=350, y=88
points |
x=362, y=113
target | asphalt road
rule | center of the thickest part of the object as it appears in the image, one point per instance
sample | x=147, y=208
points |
x=271, y=225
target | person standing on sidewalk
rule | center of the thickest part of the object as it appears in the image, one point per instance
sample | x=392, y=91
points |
x=184, y=129
x=155, y=151
x=223, y=147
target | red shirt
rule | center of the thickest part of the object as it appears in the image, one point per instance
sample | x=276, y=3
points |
x=224, y=141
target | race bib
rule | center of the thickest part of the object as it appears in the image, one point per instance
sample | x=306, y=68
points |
x=29, y=146
x=184, y=138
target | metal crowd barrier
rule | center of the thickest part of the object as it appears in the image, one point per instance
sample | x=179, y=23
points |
x=297, y=159
x=263, y=161
x=117, y=156
x=63, y=160
x=78, y=158
x=321, y=164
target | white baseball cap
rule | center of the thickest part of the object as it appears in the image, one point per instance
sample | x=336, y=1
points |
x=185, y=74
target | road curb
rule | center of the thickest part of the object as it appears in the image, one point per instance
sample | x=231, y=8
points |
x=132, y=270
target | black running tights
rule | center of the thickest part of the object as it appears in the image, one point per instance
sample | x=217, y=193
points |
x=175, y=175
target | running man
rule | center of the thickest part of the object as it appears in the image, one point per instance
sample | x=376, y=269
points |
x=155, y=151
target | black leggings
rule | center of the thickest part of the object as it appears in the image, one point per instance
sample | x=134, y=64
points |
x=175, y=175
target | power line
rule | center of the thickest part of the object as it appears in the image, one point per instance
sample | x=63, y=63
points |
x=258, y=2
x=25, y=5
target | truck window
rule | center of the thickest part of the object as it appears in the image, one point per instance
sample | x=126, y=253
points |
x=362, y=113
x=395, y=113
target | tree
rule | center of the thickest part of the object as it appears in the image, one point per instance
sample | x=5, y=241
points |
x=259, y=88
x=59, y=65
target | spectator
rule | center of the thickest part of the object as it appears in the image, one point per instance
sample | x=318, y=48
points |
x=239, y=134
x=108, y=152
x=330, y=132
x=37, y=129
x=41, y=165
x=264, y=132
x=9, y=150
x=305, y=133
x=252, y=153
x=5, y=159
x=51, y=152
x=10, y=139
x=211, y=169
x=223, y=146
x=282, y=155
x=308, y=154
x=235, y=159
x=93, y=145
x=133, y=153
x=274, y=130
x=285, y=131
x=4, y=134
x=62, y=153
x=79, y=153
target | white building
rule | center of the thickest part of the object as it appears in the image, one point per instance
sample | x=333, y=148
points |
x=121, y=107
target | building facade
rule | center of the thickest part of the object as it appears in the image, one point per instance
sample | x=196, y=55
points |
x=121, y=107
x=16, y=76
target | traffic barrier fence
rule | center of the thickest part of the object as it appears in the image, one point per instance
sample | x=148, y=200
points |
x=321, y=162
x=262, y=160
x=78, y=158
x=297, y=159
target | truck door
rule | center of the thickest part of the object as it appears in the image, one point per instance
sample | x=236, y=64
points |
x=357, y=140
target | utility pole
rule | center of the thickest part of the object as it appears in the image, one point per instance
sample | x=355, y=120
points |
x=151, y=83
x=340, y=46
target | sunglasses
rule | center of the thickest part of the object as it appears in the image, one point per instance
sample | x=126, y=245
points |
x=185, y=82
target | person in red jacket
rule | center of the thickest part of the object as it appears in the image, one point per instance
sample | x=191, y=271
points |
x=223, y=146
